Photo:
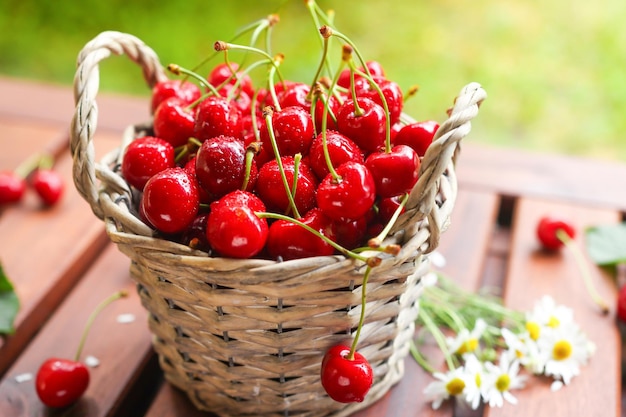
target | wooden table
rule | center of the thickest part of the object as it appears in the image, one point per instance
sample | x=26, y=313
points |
x=62, y=265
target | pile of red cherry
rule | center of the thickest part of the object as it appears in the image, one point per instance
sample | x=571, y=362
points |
x=218, y=170
x=282, y=172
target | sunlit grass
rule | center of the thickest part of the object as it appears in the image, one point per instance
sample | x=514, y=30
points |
x=553, y=70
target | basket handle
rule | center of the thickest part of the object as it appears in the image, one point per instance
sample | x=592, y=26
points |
x=438, y=158
x=85, y=120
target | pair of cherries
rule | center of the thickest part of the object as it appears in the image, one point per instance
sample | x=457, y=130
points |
x=36, y=173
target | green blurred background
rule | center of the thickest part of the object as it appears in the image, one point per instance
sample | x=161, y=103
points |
x=554, y=70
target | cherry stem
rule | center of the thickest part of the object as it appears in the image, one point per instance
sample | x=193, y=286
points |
x=317, y=233
x=321, y=65
x=357, y=335
x=376, y=87
x=377, y=241
x=420, y=359
x=177, y=70
x=412, y=91
x=273, y=71
x=251, y=151
x=267, y=113
x=294, y=186
x=584, y=270
x=92, y=317
x=33, y=163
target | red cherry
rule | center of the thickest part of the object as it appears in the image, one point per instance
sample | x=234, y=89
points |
x=351, y=196
x=288, y=240
x=293, y=131
x=48, y=184
x=217, y=116
x=12, y=187
x=271, y=189
x=367, y=129
x=170, y=200
x=621, y=303
x=333, y=107
x=547, y=232
x=295, y=94
x=394, y=172
x=145, y=157
x=61, y=382
x=391, y=92
x=346, y=380
x=174, y=121
x=341, y=149
x=233, y=228
x=229, y=74
x=195, y=235
x=387, y=208
x=374, y=67
x=188, y=92
x=350, y=233
x=417, y=135
x=221, y=166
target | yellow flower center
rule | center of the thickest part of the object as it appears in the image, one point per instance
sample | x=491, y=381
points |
x=562, y=350
x=478, y=380
x=469, y=345
x=455, y=386
x=533, y=330
x=553, y=322
x=519, y=354
x=503, y=382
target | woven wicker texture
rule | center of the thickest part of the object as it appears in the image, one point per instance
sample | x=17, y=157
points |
x=246, y=337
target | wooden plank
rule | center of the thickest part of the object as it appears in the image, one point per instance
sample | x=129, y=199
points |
x=31, y=102
x=548, y=176
x=123, y=349
x=533, y=273
x=24, y=140
x=47, y=252
x=472, y=221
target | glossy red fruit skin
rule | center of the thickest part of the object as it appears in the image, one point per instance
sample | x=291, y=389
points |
x=333, y=107
x=233, y=228
x=221, y=166
x=387, y=208
x=367, y=130
x=229, y=74
x=271, y=189
x=351, y=197
x=547, y=228
x=12, y=187
x=293, y=132
x=345, y=380
x=287, y=240
x=187, y=91
x=394, y=172
x=295, y=95
x=170, y=200
x=417, y=135
x=621, y=304
x=375, y=70
x=217, y=116
x=49, y=185
x=392, y=93
x=145, y=157
x=341, y=149
x=174, y=121
x=61, y=382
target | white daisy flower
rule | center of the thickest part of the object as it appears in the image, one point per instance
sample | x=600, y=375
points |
x=523, y=348
x=474, y=372
x=449, y=384
x=500, y=380
x=546, y=313
x=466, y=341
x=564, y=351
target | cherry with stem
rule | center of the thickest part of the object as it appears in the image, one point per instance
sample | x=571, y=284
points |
x=61, y=382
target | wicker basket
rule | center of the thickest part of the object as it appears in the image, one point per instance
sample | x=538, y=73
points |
x=246, y=337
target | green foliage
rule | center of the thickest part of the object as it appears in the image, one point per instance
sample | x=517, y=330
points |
x=553, y=70
x=9, y=303
x=606, y=244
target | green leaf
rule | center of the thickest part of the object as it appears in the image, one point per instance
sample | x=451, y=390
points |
x=9, y=304
x=606, y=244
